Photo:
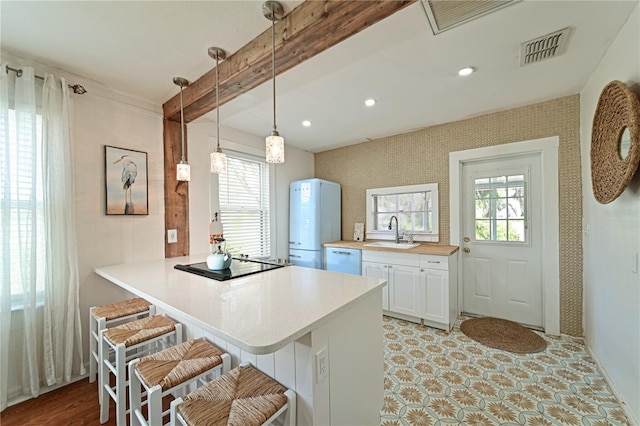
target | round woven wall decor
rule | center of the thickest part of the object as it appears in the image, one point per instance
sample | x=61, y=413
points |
x=618, y=109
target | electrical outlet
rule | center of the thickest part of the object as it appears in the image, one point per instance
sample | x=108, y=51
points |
x=322, y=365
x=172, y=236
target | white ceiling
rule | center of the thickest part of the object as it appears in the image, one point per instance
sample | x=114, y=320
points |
x=138, y=47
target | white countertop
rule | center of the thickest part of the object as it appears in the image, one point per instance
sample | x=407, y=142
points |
x=259, y=313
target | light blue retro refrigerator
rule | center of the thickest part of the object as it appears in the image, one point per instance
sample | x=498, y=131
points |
x=314, y=218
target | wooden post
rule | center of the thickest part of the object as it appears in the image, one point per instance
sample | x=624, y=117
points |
x=176, y=194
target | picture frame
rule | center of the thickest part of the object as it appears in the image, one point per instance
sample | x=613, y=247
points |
x=126, y=181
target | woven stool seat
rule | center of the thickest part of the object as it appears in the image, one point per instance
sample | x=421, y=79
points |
x=140, y=330
x=177, y=364
x=118, y=345
x=106, y=316
x=243, y=397
x=121, y=309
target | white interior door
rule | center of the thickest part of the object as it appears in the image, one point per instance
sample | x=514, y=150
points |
x=502, y=239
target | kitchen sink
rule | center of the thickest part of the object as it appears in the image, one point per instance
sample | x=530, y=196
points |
x=385, y=244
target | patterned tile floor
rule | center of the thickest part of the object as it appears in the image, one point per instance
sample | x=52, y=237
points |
x=433, y=378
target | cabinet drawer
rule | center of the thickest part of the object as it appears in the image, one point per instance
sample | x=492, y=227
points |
x=390, y=257
x=434, y=262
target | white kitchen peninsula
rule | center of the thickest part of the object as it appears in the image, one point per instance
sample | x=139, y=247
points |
x=283, y=321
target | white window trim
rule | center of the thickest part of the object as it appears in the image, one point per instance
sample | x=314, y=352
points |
x=373, y=234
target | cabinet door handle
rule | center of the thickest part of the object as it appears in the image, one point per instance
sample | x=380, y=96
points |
x=421, y=269
x=390, y=266
x=342, y=252
x=293, y=255
x=433, y=261
x=385, y=266
x=293, y=242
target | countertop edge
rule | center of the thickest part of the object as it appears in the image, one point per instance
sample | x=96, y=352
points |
x=428, y=249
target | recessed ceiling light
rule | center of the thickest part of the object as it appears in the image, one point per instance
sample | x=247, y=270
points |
x=466, y=71
x=370, y=102
x=306, y=123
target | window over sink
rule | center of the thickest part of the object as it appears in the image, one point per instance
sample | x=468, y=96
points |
x=415, y=207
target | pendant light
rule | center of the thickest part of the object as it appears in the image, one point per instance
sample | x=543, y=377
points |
x=218, y=159
x=183, y=170
x=273, y=11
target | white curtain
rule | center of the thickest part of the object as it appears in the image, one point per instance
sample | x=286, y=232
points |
x=41, y=332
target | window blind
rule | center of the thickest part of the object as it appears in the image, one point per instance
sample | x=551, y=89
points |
x=244, y=207
x=22, y=204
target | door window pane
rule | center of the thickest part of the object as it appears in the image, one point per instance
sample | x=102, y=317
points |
x=500, y=208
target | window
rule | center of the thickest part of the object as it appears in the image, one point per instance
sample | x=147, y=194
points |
x=21, y=194
x=500, y=208
x=415, y=207
x=244, y=206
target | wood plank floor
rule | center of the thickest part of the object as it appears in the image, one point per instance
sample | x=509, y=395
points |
x=75, y=404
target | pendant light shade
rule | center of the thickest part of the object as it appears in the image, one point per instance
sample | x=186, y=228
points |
x=273, y=11
x=218, y=160
x=275, y=148
x=183, y=170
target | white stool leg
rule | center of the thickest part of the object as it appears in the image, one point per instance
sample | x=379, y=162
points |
x=135, y=396
x=121, y=385
x=175, y=421
x=101, y=324
x=290, y=417
x=93, y=348
x=154, y=406
x=226, y=363
x=178, y=335
x=104, y=373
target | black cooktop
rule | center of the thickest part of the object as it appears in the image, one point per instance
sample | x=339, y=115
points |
x=238, y=268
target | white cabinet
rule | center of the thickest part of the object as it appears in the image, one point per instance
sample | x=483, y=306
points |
x=404, y=290
x=438, y=279
x=419, y=287
x=402, y=272
x=378, y=270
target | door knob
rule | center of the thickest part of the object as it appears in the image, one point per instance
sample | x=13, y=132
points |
x=466, y=239
x=466, y=249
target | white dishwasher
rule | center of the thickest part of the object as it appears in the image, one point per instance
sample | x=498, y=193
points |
x=344, y=260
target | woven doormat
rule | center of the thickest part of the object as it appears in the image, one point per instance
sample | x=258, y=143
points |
x=502, y=334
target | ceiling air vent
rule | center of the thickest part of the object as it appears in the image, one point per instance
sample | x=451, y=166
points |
x=446, y=14
x=545, y=47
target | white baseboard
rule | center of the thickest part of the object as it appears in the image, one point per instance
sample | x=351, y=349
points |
x=632, y=420
x=43, y=390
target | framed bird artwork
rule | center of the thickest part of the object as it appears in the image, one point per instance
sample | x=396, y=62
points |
x=126, y=181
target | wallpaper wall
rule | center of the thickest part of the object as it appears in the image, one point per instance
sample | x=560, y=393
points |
x=422, y=156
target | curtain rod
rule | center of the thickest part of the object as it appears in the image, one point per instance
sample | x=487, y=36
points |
x=77, y=88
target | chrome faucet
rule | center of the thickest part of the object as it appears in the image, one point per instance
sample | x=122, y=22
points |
x=390, y=223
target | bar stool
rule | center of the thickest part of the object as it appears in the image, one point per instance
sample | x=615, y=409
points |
x=171, y=370
x=101, y=317
x=244, y=396
x=128, y=341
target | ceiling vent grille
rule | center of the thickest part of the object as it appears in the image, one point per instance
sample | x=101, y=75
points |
x=545, y=47
x=446, y=14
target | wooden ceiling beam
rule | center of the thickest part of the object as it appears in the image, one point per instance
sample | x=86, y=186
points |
x=306, y=31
